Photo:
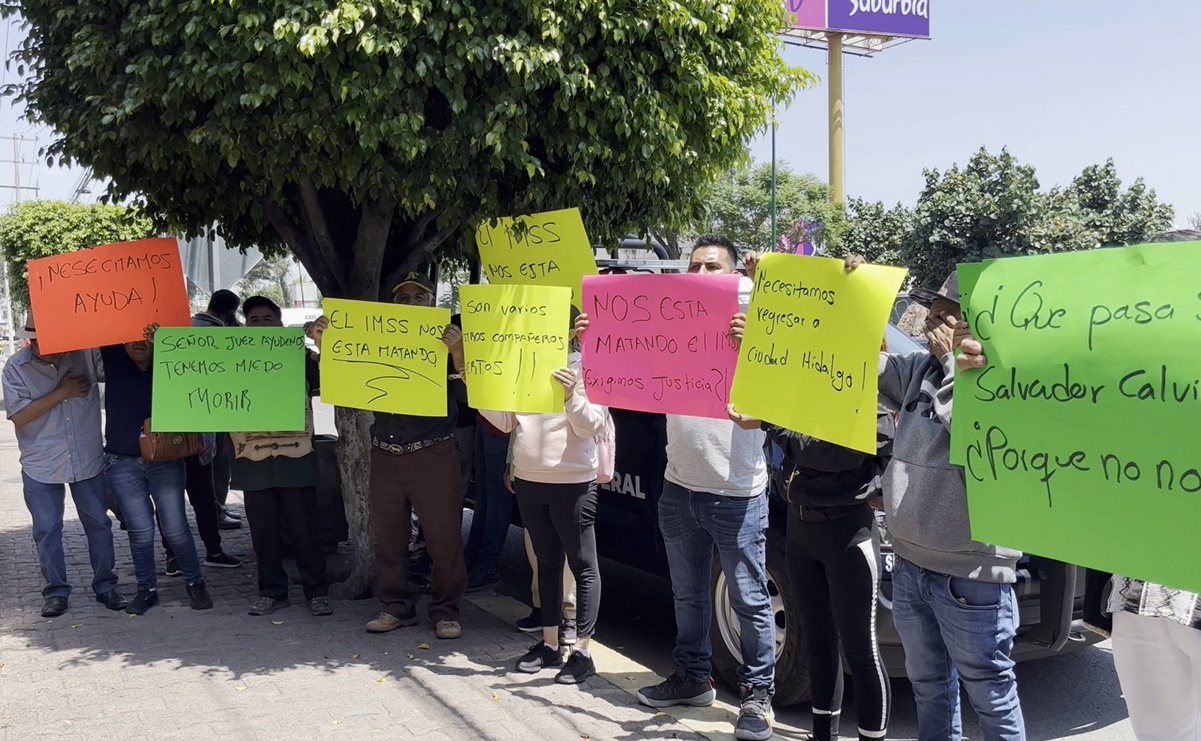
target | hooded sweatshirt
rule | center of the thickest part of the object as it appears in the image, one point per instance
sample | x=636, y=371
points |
x=825, y=481
x=925, y=497
x=555, y=448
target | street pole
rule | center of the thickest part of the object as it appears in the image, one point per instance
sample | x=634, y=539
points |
x=773, y=187
x=8, y=298
x=837, y=186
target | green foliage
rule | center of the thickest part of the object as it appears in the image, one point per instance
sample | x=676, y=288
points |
x=875, y=231
x=270, y=277
x=992, y=207
x=739, y=205
x=36, y=229
x=233, y=113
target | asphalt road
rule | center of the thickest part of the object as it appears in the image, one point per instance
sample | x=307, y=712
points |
x=1072, y=696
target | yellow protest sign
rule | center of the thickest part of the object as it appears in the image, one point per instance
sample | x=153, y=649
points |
x=808, y=359
x=513, y=338
x=546, y=249
x=385, y=357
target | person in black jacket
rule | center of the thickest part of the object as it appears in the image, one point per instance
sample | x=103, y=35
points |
x=833, y=553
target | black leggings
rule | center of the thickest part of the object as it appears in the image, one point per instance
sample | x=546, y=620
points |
x=561, y=520
x=834, y=567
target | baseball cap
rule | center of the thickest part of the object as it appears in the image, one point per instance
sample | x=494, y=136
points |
x=417, y=279
x=949, y=291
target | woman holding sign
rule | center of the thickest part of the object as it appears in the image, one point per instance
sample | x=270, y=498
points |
x=554, y=478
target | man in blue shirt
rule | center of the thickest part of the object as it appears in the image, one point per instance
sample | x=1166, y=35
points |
x=53, y=401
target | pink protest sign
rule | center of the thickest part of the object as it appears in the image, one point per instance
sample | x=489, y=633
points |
x=660, y=343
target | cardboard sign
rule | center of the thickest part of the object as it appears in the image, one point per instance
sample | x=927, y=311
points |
x=546, y=249
x=514, y=337
x=228, y=379
x=660, y=343
x=809, y=356
x=385, y=357
x=107, y=295
x=1079, y=439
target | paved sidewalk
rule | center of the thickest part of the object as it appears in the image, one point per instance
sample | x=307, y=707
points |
x=176, y=673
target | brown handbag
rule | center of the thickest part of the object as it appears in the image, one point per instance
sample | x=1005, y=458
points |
x=169, y=446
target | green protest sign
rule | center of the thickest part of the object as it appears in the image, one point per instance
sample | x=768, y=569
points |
x=1079, y=439
x=228, y=379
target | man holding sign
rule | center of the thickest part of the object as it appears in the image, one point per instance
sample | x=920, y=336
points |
x=715, y=497
x=952, y=597
x=53, y=401
x=415, y=468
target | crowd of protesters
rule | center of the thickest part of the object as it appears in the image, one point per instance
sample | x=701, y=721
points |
x=953, y=600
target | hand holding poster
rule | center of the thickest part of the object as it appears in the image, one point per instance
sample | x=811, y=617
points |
x=514, y=337
x=107, y=295
x=385, y=357
x=1079, y=438
x=660, y=343
x=546, y=249
x=808, y=359
x=228, y=379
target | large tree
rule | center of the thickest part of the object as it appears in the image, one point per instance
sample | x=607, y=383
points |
x=365, y=135
x=34, y=229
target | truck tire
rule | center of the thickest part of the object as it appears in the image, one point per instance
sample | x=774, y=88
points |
x=792, y=662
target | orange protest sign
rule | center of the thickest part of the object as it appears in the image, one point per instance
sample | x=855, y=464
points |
x=107, y=295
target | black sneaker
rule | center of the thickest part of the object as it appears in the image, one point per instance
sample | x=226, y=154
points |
x=222, y=560
x=531, y=623
x=267, y=605
x=172, y=567
x=568, y=633
x=226, y=522
x=539, y=657
x=577, y=669
x=146, y=599
x=755, y=719
x=320, y=607
x=676, y=691
x=200, y=596
x=480, y=579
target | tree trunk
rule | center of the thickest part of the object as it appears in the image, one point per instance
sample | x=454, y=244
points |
x=353, y=453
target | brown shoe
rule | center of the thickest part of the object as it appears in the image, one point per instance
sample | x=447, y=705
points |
x=386, y=622
x=448, y=629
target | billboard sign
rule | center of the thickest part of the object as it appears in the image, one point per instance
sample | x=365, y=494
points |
x=906, y=18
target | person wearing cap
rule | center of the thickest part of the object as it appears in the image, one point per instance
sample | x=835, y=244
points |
x=54, y=403
x=277, y=474
x=953, y=602
x=1156, y=629
x=415, y=468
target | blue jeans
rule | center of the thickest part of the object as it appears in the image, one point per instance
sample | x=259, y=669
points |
x=693, y=524
x=957, y=629
x=141, y=487
x=493, y=503
x=45, y=503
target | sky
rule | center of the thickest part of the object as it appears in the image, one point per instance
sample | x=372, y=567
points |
x=1062, y=83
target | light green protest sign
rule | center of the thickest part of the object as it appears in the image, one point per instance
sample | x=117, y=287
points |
x=228, y=379
x=1080, y=438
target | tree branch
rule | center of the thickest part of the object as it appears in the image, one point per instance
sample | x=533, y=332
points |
x=421, y=250
x=311, y=206
x=375, y=221
x=302, y=246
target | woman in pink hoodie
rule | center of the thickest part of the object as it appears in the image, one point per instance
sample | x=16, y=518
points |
x=554, y=478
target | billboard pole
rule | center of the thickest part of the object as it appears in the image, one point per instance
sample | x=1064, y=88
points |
x=834, y=65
